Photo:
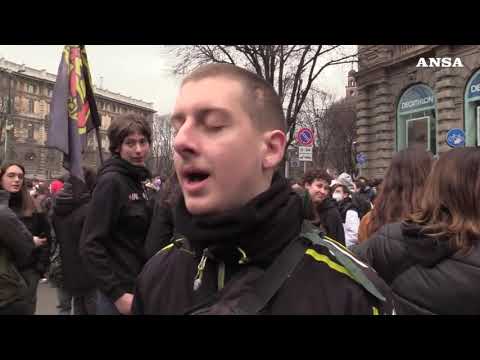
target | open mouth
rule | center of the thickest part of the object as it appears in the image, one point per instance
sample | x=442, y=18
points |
x=194, y=177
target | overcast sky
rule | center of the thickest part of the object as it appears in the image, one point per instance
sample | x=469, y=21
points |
x=141, y=71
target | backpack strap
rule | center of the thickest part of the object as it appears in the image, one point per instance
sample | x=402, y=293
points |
x=269, y=283
x=357, y=269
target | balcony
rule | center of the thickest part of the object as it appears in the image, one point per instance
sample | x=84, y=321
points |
x=405, y=51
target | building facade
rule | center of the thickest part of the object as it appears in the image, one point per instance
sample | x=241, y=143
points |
x=410, y=95
x=25, y=120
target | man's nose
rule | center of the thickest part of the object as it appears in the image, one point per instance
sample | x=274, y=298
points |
x=138, y=147
x=185, y=141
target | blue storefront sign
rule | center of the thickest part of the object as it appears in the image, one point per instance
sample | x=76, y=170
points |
x=456, y=138
x=473, y=90
x=416, y=98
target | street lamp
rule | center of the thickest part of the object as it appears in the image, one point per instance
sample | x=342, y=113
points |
x=9, y=107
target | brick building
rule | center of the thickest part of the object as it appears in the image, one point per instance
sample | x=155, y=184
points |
x=400, y=104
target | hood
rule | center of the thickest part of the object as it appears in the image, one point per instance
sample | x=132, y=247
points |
x=118, y=165
x=4, y=197
x=326, y=204
x=426, y=250
x=64, y=201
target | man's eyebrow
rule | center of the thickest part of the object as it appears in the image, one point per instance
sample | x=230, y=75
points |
x=176, y=116
x=210, y=110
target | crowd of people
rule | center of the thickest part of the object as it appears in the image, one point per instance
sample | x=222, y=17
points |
x=226, y=233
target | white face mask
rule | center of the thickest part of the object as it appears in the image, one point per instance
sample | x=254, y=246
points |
x=337, y=196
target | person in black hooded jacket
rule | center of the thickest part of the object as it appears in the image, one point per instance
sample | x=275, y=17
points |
x=243, y=246
x=324, y=211
x=118, y=218
x=69, y=213
x=431, y=260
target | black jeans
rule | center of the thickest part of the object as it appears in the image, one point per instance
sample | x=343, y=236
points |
x=85, y=304
x=32, y=277
x=16, y=308
x=105, y=306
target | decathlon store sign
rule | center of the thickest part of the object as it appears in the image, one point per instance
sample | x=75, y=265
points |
x=474, y=89
x=418, y=97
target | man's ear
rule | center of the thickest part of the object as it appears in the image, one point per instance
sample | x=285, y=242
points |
x=274, y=142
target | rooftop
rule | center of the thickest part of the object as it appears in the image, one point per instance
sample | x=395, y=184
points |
x=44, y=75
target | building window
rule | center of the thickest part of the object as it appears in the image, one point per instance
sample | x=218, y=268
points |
x=30, y=88
x=30, y=105
x=30, y=156
x=30, y=131
x=472, y=110
x=4, y=104
x=416, y=119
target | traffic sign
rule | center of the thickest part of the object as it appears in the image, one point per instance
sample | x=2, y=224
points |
x=305, y=136
x=456, y=138
x=305, y=153
x=361, y=158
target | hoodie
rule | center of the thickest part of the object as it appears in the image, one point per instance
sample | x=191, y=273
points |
x=118, y=218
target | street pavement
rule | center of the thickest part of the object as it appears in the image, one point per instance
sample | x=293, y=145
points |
x=46, y=299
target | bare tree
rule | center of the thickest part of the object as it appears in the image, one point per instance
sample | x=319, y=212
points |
x=315, y=117
x=343, y=116
x=333, y=123
x=292, y=70
x=162, y=146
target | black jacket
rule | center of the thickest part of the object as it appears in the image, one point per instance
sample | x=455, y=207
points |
x=113, y=237
x=426, y=276
x=38, y=225
x=344, y=206
x=161, y=229
x=14, y=235
x=330, y=220
x=69, y=215
x=246, y=241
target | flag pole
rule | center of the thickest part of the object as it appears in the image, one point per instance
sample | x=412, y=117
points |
x=93, y=106
x=99, y=141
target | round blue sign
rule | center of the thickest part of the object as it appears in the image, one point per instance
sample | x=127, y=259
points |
x=361, y=158
x=456, y=138
x=305, y=136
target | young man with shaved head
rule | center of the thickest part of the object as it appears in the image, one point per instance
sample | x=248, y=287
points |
x=242, y=249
